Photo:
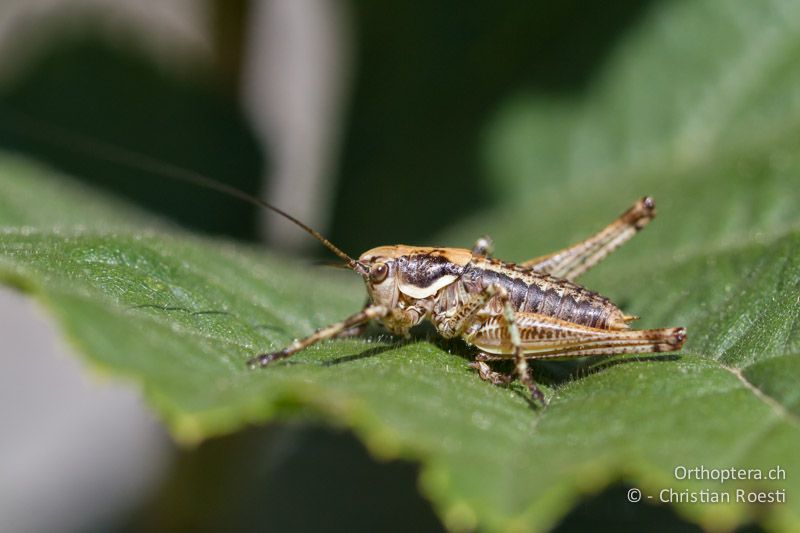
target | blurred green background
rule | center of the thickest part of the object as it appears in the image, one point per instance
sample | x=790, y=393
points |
x=427, y=81
x=428, y=78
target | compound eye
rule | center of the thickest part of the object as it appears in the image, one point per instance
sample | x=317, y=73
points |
x=378, y=272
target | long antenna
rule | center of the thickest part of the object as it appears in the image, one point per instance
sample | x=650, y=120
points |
x=103, y=150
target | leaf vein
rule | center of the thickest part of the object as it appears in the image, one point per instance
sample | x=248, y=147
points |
x=775, y=405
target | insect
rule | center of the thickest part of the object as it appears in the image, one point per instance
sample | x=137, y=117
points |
x=532, y=310
x=519, y=312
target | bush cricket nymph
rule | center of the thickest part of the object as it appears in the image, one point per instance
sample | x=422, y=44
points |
x=531, y=310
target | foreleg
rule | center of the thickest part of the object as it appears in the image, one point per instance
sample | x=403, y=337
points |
x=371, y=312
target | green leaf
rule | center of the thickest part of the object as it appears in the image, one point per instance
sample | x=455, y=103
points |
x=699, y=107
x=180, y=315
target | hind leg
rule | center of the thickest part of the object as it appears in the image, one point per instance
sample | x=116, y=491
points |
x=545, y=337
x=571, y=262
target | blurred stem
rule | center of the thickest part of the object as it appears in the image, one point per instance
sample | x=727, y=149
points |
x=228, y=36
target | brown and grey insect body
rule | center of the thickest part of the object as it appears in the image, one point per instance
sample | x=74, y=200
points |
x=533, y=310
x=529, y=311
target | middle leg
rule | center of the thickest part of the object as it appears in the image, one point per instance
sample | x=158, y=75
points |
x=512, y=333
x=483, y=247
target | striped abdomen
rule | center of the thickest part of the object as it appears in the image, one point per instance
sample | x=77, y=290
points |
x=533, y=292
